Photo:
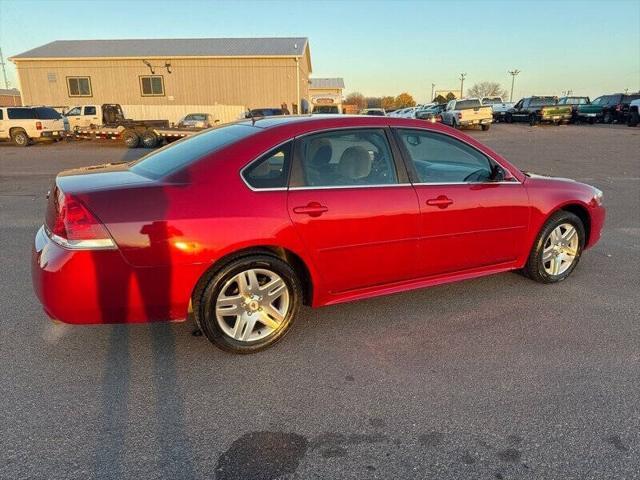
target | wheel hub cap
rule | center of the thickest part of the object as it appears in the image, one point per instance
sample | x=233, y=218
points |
x=560, y=249
x=252, y=305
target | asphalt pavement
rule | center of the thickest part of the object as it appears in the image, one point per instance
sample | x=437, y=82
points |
x=495, y=378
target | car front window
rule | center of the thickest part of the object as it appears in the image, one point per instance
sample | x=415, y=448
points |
x=439, y=158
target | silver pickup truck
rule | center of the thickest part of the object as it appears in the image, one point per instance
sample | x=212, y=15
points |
x=499, y=107
x=467, y=112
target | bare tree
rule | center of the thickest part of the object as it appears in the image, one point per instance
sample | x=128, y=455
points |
x=356, y=98
x=487, y=89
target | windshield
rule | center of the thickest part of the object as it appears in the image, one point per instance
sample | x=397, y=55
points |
x=491, y=101
x=184, y=152
x=467, y=104
x=325, y=109
x=198, y=117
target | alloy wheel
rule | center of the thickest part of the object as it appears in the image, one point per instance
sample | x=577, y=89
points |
x=252, y=305
x=560, y=249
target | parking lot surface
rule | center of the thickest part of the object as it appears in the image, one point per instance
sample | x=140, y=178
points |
x=492, y=378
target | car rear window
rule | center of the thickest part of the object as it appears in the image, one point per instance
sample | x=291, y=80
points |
x=184, y=152
x=21, y=113
x=630, y=98
x=46, y=113
x=467, y=104
x=541, y=101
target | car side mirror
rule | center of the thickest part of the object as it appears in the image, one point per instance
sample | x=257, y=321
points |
x=498, y=174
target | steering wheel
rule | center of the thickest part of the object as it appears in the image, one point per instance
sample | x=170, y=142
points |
x=478, y=174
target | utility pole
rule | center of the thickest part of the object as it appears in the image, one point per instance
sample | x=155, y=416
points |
x=462, y=77
x=513, y=79
x=4, y=70
x=433, y=87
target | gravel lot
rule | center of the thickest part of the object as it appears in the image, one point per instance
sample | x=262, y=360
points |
x=497, y=378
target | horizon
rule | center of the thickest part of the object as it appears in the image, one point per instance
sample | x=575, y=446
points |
x=376, y=58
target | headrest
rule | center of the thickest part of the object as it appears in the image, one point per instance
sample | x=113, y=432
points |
x=355, y=163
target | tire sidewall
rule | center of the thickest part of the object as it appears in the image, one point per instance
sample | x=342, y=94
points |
x=21, y=134
x=535, y=265
x=209, y=322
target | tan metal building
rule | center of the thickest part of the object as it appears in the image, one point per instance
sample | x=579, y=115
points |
x=252, y=72
x=326, y=92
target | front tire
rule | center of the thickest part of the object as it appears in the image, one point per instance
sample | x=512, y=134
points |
x=485, y=127
x=533, y=120
x=607, y=118
x=250, y=303
x=557, y=249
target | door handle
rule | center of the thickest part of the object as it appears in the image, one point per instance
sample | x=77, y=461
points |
x=442, y=201
x=313, y=209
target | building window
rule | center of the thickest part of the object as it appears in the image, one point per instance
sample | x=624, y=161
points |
x=152, y=86
x=79, y=86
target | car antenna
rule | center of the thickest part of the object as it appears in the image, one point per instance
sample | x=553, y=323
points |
x=253, y=119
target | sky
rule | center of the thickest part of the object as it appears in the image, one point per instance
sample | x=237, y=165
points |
x=378, y=47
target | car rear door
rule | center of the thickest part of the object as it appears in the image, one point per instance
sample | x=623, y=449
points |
x=354, y=209
x=467, y=220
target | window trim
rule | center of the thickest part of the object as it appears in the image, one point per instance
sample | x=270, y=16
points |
x=142, y=94
x=296, y=175
x=69, y=86
x=413, y=174
x=260, y=157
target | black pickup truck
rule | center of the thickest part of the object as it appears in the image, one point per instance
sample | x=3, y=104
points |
x=539, y=110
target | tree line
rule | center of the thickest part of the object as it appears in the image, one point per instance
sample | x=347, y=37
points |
x=404, y=100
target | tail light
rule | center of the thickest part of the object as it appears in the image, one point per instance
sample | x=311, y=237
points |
x=459, y=115
x=38, y=125
x=72, y=225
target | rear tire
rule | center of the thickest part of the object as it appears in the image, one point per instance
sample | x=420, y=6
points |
x=20, y=138
x=607, y=118
x=131, y=138
x=485, y=127
x=149, y=139
x=249, y=304
x=533, y=120
x=508, y=118
x=634, y=119
x=542, y=255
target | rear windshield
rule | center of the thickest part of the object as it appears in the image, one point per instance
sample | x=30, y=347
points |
x=45, y=113
x=467, y=104
x=491, y=101
x=326, y=109
x=631, y=98
x=184, y=152
x=541, y=101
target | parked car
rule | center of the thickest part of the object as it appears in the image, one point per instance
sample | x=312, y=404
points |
x=467, y=112
x=539, y=110
x=574, y=103
x=367, y=206
x=25, y=125
x=633, y=118
x=431, y=114
x=498, y=106
x=197, y=121
x=376, y=112
x=608, y=108
x=264, y=112
x=326, y=110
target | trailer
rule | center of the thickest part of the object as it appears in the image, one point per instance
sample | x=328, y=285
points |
x=136, y=137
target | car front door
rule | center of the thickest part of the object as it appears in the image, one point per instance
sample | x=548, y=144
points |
x=520, y=113
x=75, y=117
x=89, y=116
x=354, y=209
x=474, y=214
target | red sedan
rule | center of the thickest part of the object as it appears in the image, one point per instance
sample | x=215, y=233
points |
x=244, y=223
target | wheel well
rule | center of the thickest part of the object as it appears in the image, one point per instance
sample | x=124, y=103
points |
x=582, y=213
x=288, y=256
x=16, y=129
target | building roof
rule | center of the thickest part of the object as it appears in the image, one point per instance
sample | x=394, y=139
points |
x=182, y=47
x=12, y=92
x=326, y=83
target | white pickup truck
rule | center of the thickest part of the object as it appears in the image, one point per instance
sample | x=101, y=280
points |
x=467, y=112
x=25, y=125
x=499, y=107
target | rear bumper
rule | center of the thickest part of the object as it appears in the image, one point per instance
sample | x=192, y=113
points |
x=99, y=286
x=49, y=134
x=483, y=121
